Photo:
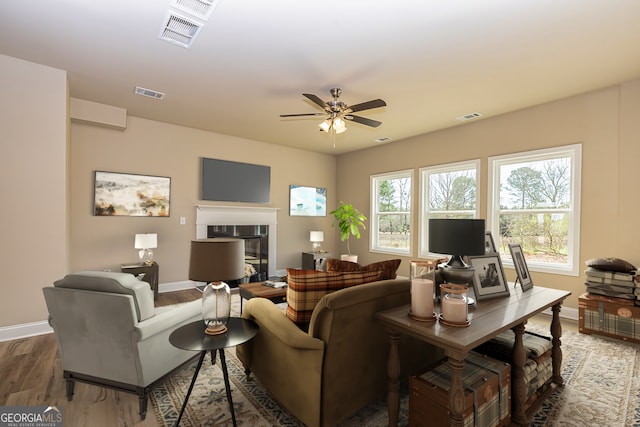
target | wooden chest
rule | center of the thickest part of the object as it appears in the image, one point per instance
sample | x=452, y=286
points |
x=487, y=385
x=609, y=317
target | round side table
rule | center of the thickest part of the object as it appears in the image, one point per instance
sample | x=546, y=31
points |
x=192, y=337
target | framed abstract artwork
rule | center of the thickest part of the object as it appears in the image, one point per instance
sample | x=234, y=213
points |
x=307, y=201
x=489, y=280
x=124, y=194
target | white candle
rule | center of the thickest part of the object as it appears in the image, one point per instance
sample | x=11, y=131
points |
x=422, y=297
x=454, y=310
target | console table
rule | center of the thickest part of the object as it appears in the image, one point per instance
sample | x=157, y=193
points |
x=488, y=319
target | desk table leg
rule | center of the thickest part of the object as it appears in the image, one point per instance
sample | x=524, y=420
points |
x=227, y=386
x=556, y=351
x=393, y=371
x=193, y=381
x=456, y=391
x=518, y=385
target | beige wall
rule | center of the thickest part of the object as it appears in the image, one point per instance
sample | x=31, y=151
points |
x=604, y=122
x=33, y=168
x=155, y=148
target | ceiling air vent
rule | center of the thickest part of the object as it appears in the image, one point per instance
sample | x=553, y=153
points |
x=198, y=8
x=179, y=30
x=148, y=92
x=469, y=116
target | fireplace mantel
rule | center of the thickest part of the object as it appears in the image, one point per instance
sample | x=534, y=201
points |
x=240, y=215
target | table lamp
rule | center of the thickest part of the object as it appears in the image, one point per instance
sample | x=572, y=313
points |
x=145, y=242
x=211, y=261
x=316, y=238
x=458, y=238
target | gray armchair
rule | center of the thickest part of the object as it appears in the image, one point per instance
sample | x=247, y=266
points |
x=109, y=333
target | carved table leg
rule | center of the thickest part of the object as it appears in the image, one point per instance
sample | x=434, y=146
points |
x=456, y=392
x=556, y=351
x=518, y=386
x=393, y=371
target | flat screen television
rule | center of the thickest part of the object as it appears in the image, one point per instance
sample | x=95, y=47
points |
x=227, y=181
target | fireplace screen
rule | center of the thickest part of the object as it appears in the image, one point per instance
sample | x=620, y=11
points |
x=256, y=246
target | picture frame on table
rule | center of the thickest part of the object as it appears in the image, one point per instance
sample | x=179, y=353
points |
x=520, y=264
x=489, y=244
x=489, y=280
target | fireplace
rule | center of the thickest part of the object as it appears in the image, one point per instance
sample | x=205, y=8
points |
x=256, y=245
x=256, y=225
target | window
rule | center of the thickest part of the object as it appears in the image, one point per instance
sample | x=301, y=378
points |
x=391, y=212
x=534, y=200
x=448, y=191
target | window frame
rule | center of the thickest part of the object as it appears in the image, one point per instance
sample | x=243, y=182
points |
x=375, y=214
x=425, y=173
x=574, y=152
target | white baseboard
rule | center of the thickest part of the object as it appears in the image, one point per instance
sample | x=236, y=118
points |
x=8, y=333
x=176, y=286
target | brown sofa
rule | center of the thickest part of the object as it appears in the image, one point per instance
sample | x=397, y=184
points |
x=340, y=364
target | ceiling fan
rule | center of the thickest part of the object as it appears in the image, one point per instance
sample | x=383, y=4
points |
x=338, y=112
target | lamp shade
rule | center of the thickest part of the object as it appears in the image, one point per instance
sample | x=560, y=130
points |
x=146, y=241
x=456, y=236
x=216, y=259
x=316, y=236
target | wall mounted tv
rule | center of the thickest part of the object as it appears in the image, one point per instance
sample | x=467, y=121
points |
x=227, y=181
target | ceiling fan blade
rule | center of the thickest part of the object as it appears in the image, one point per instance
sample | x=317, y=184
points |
x=363, y=120
x=319, y=102
x=374, y=103
x=302, y=114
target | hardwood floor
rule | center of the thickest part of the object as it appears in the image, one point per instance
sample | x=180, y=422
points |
x=32, y=376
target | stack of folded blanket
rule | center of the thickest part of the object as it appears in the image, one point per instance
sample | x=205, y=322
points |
x=612, y=277
x=538, y=368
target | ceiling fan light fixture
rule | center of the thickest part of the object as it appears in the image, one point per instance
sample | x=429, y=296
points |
x=325, y=126
x=339, y=125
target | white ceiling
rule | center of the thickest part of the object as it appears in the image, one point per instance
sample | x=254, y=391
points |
x=431, y=61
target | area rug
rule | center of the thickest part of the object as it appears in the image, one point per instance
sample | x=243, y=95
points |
x=602, y=387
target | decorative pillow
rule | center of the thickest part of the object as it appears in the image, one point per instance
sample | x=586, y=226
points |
x=334, y=264
x=611, y=264
x=117, y=283
x=306, y=287
x=387, y=268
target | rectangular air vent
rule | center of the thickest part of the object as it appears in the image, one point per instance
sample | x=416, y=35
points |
x=179, y=30
x=200, y=9
x=469, y=116
x=148, y=92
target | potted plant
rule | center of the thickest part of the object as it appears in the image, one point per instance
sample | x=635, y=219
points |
x=349, y=220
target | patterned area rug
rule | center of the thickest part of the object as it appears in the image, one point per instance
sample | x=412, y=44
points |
x=602, y=387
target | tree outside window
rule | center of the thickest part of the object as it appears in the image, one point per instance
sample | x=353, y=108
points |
x=391, y=212
x=537, y=206
x=448, y=191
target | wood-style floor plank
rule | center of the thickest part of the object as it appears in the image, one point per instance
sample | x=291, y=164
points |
x=31, y=375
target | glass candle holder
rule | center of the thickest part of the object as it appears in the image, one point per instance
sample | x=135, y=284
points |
x=454, y=304
x=422, y=269
x=216, y=307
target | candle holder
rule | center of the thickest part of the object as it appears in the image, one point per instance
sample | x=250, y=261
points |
x=454, y=307
x=422, y=300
